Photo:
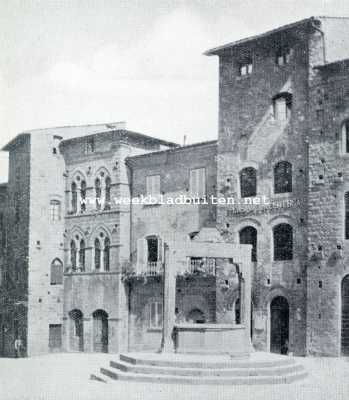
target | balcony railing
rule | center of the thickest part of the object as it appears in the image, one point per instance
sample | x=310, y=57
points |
x=206, y=266
x=153, y=268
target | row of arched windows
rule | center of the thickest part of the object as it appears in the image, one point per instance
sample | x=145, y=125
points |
x=282, y=241
x=101, y=253
x=102, y=194
x=282, y=179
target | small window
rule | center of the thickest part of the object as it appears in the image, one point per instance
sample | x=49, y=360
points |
x=90, y=145
x=283, y=242
x=245, y=68
x=197, y=184
x=283, y=177
x=283, y=56
x=55, y=210
x=155, y=315
x=248, y=182
x=56, y=272
x=153, y=185
x=282, y=106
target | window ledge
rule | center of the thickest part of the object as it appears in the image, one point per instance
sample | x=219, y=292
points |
x=154, y=330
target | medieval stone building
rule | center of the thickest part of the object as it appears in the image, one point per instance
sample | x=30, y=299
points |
x=82, y=275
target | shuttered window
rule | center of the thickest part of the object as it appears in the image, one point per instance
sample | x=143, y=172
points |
x=153, y=185
x=197, y=185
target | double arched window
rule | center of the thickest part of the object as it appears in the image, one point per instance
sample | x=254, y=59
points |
x=77, y=253
x=248, y=182
x=103, y=191
x=283, y=242
x=283, y=177
x=78, y=195
x=102, y=253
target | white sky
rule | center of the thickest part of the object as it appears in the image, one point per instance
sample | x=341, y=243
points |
x=69, y=62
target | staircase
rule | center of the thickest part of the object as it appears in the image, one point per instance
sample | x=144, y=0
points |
x=259, y=368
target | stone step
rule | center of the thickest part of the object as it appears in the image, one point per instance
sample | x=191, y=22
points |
x=205, y=362
x=205, y=380
x=226, y=372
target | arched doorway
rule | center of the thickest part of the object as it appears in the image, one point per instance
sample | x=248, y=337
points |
x=196, y=316
x=279, y=325
x=345, y=317
x=100, y=331
x=76, y=330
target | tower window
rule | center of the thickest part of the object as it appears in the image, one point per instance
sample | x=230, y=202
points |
x=246, y=67
x=90, y=146
x=283, y=242
x=248, y=235
x=282, y=106
x=55, y=210
x=283, y=56
x=283, y=177
x=248, y=182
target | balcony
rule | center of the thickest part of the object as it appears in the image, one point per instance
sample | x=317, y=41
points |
x=201, y=266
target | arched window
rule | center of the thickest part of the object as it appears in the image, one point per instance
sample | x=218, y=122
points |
x=283, y=177
x=74, y=198
x=98, y=190
x=82, y=255
x=97, y=254
x=106, y=254
x=346, y=222
x=73, y=254
x=107, y=193
x=248, y=182
x=248, y=235
x=56, y=276
x=283, y=242
x=345, y=137
x=282, y=106
x=83, y=196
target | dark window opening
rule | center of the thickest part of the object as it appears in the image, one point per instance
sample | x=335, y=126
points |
x=248, y=235
x=282, y=105
x=82, y=255
x=56, y=277
x=83, y=196
x=283, y=177
x=73, y=255
x=248, y=182
x=97, y=254
x=152, y=249
x=74, y=198
x=283, y=242
x=106, y=254
x=346, y=200
x=107, y=193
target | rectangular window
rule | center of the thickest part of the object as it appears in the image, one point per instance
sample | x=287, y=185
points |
x=55, y=210
x=153, y=185
x=55, y=337
x=283, y=56
x=155, y=315
x=246, y=68
x=197, y=184
x=90, y=146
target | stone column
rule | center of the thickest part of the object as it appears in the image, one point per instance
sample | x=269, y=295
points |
x=169, y=301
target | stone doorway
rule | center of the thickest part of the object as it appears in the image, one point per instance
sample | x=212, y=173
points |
x=100, y=331
x=279, y=325
x=345, y=317
x=76, y=330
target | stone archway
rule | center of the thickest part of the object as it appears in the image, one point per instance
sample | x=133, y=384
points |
x=279, y=325
x=345, y=317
